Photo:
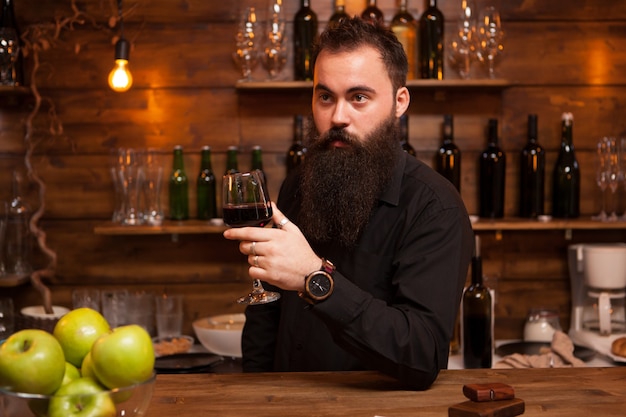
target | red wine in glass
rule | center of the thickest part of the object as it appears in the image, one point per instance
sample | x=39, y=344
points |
x=247, y=215
x=246, y=203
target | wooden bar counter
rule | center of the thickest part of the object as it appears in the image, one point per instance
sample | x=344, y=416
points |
x=584, y=392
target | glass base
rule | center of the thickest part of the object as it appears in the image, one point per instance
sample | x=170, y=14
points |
x=262, y=297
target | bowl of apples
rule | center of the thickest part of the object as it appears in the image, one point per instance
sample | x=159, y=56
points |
x=83, y=368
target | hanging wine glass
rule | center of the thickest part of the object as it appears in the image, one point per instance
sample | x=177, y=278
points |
x=489, y=35
x=462, y=48
x=247, y=43
x=9, y=48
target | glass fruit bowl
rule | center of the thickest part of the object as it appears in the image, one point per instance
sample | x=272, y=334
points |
x=129, y=401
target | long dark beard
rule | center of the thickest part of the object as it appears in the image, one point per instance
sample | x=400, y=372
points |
x=340, y=186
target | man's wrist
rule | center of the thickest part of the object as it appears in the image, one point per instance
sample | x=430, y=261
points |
x=319, y=284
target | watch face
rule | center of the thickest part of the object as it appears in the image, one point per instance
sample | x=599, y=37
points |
x=319, y=284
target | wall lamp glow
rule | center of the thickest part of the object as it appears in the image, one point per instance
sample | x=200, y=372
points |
x=120, y=78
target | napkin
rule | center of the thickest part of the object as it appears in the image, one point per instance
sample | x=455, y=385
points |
x=560, y=354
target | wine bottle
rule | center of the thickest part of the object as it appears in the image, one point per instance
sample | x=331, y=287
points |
x=15, y=77
x=477, y=317
x=257, y=162
x=304, y=35
x=178, y=187
x=404, y=26
x=297, y=150
x=338, y=14
x=372, y=13
x=206, y=187
x=449, y=155
x=566, y=179
x=232, y=165
x=492, y=175
x=404, y=135
x=532, y=173
x=431, y=42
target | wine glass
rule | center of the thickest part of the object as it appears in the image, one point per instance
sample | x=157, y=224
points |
x=9, y=48
x=246, y=203
x=463, y=45
x=601, y=177
x=276, y=48
x=490, y=35
x=247, y=43
x=613, y=174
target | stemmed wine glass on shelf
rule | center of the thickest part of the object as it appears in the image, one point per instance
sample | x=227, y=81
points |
x=275, y=49
x=462, y=50
x=489, y=35
x=247, y=43
x=246, y=203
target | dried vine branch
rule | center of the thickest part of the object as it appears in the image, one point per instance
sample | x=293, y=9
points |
x=38, y=38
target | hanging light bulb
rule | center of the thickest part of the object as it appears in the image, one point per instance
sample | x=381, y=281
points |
x=120, y=78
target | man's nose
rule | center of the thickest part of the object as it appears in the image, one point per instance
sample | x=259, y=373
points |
x=340, y=114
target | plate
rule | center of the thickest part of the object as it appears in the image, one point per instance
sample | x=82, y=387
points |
x=182, y=363
x=534, y=348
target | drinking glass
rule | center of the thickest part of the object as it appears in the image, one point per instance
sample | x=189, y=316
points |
x=247, y=203
x=247, y=43
x=9, y=49
x=490, y=35
x=613, y=174
x=601, y=177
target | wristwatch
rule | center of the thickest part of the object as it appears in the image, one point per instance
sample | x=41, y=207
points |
x=318, y=285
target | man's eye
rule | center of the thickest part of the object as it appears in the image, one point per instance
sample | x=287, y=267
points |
x=324, y=97
x=360, y=97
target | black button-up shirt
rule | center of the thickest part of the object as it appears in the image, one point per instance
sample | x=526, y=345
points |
x=396, y=294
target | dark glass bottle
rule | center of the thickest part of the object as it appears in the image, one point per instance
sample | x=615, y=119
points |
x=304, y=35
x=477, y=317
x=338, y=14
x=372, y=13
x=206, y=187
x=8, y=20
x=532, y=173
x=297, y=150
x=178, y=187
x=232, y=165
x=431, y=42
x=566, y=179
x=449, y=155
x=404, y=135
x=404, y=26
x=492, y=176
x=257, y=161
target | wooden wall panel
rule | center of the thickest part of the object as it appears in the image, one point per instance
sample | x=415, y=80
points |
x=560, y=56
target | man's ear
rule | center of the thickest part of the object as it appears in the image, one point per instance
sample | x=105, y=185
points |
x=403, y=99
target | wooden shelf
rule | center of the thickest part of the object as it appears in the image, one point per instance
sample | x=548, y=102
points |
x=13, y=280
x=169, y=227
x=499, y=225
x=6, y=90
x=513, y=223
x=423, y=84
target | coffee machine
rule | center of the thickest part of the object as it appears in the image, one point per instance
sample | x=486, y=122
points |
x=598, y=284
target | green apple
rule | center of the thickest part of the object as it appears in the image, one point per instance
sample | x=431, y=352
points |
x=77, y=330
x=86, y=369
x=71, y=373
x=32, y=361
x=123, y=357
x=82, y=397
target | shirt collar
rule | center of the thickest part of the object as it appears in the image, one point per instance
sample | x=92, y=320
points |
x=391, y=193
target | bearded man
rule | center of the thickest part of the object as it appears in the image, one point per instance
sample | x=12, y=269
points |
x=372, y=247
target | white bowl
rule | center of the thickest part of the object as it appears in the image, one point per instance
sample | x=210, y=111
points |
x=40, y=313
x=221, y=334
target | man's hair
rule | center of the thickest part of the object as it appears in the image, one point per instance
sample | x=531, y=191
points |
x=352, y=33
